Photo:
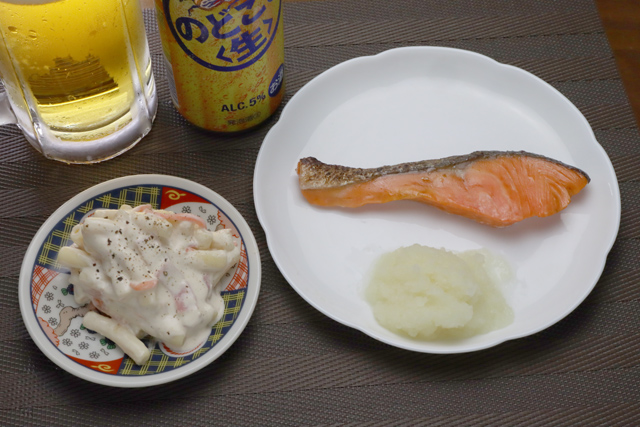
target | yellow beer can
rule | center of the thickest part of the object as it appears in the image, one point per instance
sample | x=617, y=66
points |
x=224, y=60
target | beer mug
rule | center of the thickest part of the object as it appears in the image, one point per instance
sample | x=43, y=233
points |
x=77, y=76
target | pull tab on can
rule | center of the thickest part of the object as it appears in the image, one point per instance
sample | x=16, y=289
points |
x=224, y=60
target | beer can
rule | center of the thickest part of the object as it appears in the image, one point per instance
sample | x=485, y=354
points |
x=224, y=60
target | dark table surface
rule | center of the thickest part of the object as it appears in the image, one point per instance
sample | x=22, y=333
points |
x=294, y=366
x=621, y=21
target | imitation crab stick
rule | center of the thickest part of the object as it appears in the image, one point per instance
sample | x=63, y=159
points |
x=497, y=188
x=144, y=285
x=172, y=216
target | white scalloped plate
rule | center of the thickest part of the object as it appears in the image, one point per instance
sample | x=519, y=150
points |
x=54, y=319
x=418, y=103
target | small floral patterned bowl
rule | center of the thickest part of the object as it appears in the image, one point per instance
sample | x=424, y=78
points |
x=54, y=319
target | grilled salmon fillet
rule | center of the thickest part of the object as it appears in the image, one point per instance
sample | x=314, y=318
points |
x=497, y=188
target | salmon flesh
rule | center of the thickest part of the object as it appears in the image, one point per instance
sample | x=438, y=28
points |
x=496, y=188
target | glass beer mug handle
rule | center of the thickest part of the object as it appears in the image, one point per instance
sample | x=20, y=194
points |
x=6, y=115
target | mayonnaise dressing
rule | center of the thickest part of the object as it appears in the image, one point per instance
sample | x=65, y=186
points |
x=154, y=272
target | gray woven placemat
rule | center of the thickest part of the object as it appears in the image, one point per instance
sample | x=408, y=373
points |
x=292, y=365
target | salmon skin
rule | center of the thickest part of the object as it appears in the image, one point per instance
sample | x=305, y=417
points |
x=497, y=188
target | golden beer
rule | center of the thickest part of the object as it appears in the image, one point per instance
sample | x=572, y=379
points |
x=77, y=71
x=224, y=60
